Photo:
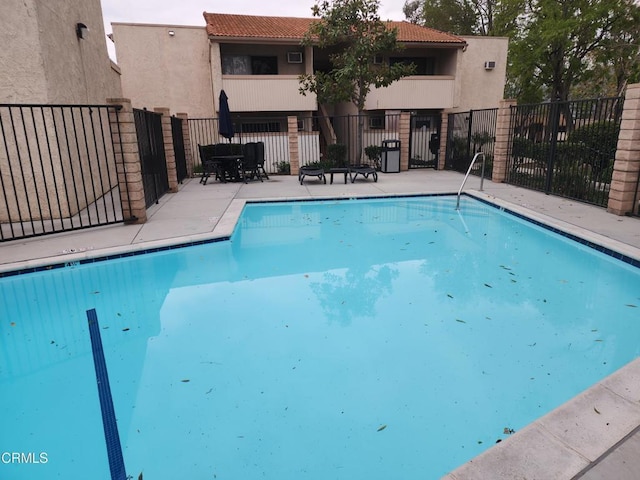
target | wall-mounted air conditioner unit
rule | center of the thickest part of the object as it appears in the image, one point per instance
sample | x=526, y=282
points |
x=294, y=57
x=489, y=65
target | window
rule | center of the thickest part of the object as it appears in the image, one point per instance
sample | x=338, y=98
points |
x=249, y=65
x=423, y=65
x=376, y=122
x=378, y=59
x=294, y=57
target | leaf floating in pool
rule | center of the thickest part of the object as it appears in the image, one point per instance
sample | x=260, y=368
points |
x=449, y=295
x=509, y=431
x=306, y=276
x=126, y=329
x=631, y=305
x=598, y=340
x=13, y=324
x=596, y=410
x=95, y=293
x=381, y=427
x=487, y=285
x=506, y=268
x=118, y=314
x=461, y=321
x=185, y=380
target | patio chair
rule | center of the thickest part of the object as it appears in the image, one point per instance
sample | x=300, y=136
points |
x=364, y=170
x=209, y=164
x=260, y=160
x=314, y=170
x=250, y=162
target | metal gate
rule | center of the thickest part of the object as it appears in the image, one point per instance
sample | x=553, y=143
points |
x=424, y=141
x=468, y=133
x=152, y=157
x=178, y=148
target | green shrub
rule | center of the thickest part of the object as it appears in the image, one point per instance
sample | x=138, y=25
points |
x=284, y=167
x=336, y=155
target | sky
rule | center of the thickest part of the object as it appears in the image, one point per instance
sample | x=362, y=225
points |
x=189, y=12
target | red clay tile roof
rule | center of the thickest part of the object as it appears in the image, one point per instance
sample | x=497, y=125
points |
x=249, y=26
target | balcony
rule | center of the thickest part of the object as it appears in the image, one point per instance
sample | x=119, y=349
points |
x=415, y=92
x=266, y=93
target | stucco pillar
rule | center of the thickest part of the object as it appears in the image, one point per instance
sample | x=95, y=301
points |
x=624, y=184
x=186, y=138
x=501, y=146
x=169, y=152
x=444, y=129
x=404, y=131
x=125, y=146
x=294, y=157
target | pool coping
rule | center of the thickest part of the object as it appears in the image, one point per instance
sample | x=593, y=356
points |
x=561, y=444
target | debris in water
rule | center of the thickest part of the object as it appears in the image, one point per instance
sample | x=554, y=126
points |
x=461, y=321
x=186, y=380
x=126, y=329
x=487, y=285
x=596, y=410
x=449, y=295
x=381, y=427
x=631, y=305
x=509, y=431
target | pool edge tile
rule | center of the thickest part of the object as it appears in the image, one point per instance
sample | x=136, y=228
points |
x=532, y=453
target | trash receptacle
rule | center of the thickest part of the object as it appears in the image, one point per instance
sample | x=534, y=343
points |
x=390, y=156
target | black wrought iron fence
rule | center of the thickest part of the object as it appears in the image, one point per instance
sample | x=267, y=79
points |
x=467, y=134
x=58, y=169
x=153, y=162
x=178, y=148
x=272, y=131
x=565, y=148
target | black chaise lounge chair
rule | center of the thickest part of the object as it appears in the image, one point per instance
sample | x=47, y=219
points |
x=365, y=171
x=311, y=171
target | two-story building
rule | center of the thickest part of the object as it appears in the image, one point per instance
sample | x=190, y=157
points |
x=257, y=61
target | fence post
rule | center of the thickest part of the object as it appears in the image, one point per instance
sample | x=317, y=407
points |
x=501, y=147
x=186, y=138
x=294, y=158
x=444, y=129
x=404, y=132
x=169, y=153
x=125, y=147
x=624, y=194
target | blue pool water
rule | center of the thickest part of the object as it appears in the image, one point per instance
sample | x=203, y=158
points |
x=346, y=339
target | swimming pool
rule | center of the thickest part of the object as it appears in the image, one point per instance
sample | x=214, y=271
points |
x=388, y=338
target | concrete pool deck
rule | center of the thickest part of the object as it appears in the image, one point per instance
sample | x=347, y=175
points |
x=594, y=436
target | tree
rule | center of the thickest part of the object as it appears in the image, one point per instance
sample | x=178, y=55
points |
x=564, y=42
x=353, y=34
x=466, y=17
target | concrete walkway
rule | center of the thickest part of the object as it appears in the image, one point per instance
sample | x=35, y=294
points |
x=571, y=442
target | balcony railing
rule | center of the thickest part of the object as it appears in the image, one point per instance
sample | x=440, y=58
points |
x=266, y=93
x=416, y=92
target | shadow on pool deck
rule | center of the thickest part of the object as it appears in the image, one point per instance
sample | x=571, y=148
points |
x=594, y=436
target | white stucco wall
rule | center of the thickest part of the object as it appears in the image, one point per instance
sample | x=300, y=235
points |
x=476, y=87
x=163, y=70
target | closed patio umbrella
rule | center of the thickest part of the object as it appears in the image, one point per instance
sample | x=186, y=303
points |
x=225, y=124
